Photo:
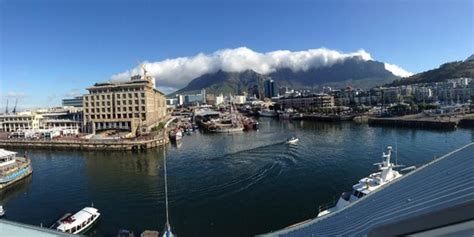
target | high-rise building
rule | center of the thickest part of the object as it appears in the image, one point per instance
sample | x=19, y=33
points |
x=135, y=106
x=271, y=89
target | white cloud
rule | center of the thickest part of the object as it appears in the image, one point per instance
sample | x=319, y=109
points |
x=15, y=95
x=178, y=72
x=397, y=71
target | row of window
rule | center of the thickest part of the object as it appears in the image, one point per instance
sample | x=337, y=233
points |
x=118, y=109
x=99, y=91
x=107, y=96
x=86, y=104
x=118, y=116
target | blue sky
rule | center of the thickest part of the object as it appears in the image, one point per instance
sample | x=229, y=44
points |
x=54, y=49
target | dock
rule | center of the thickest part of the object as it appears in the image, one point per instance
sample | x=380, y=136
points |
x=89, y=145
x=436, y=198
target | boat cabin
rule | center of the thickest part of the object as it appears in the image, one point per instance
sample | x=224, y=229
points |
x=7, y=157
x=78, y=222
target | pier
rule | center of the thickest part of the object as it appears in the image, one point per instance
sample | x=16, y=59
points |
x=437, y=196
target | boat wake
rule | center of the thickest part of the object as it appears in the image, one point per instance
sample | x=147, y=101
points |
x=234, y=172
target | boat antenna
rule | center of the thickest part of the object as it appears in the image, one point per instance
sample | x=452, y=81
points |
x=166, y=189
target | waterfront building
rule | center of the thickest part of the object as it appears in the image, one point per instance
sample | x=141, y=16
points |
x=219, y=100
x=307, y=102
x=74, y=102
x=271, y=89
x=134, y=106
x=20, y=121
x=239, y=99
x=171, y=103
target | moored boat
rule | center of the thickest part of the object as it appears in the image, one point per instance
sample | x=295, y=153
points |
x=367, y=185
x=13, y=168
x=267, y=113
x=78, y=223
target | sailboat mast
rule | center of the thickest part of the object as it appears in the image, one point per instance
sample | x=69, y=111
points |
x=166, y=187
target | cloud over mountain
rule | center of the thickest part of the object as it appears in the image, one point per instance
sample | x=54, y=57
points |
x=178, y=72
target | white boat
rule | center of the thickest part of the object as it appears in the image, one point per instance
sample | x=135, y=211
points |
x=78, y=223
x=2, y=211
x=13, y=168
x=368, y=184
x=267, y=113
x=292, y=140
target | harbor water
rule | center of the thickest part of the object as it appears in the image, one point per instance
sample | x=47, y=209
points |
x=219, y=184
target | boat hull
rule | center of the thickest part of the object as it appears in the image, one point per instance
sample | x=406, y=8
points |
x=15, y=177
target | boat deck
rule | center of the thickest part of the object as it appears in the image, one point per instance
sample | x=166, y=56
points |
x=440, y=185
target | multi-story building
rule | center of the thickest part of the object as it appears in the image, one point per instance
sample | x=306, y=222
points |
x=20, y=121
x=308, y=102
x=271, y=89
x=134, y=106
x=74, y=102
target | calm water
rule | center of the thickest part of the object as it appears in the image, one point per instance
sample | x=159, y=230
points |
x=220, y=185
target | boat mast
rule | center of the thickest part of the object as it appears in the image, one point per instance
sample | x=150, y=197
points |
x=166, y=190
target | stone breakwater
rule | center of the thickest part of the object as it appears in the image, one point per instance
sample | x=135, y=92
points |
x=434, y=122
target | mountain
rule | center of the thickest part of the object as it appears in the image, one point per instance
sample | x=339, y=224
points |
x=445, y=71
x=225, y=82
x=350, y=72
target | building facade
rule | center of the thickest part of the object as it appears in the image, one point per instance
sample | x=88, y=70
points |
x=307, y=102
x=134, y=106
x=271, y=89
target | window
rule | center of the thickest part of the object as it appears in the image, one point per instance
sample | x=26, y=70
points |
x=118, y=102
x=136, y=108
x=143, y=101
x=108, y=96
x=97, y=103
x=143, y=94
x=119, y=116
x=118, y=96
x=143, y=108
x=136, y=95
x=103, y=103
x=103, y=97
x=130, y=102
x=103, y=110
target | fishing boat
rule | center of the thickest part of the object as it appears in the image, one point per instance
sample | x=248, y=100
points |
x=292, y=140
x=267, y=113
x=13, y=168
x=2, y=211
x=78, y=223
x=367, y=185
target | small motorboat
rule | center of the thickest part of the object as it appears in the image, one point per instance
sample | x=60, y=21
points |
x=2, y=211
x=78, y=223
x=292, y=140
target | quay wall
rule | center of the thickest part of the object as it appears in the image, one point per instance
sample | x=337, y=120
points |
x=418, y=123
x=119, y=145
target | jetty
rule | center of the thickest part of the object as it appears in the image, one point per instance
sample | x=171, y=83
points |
x=437, y=198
